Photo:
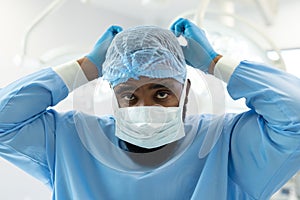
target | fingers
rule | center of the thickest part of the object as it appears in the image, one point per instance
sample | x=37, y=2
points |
x=115, y=29
x=179, y=27
x=108, y=35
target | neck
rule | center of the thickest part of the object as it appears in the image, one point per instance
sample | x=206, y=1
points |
x=136, y=149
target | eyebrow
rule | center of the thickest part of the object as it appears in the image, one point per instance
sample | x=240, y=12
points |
x=157, y=86
x=153, y=86
x=124, y=87
x=164, y=84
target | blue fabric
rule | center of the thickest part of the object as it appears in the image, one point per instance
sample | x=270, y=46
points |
x=256, y=151
x=198, y=52
x=97, y=55
x=148, y=51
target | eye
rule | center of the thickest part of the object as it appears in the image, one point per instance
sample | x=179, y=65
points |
x=128, y=97
x=162, y=94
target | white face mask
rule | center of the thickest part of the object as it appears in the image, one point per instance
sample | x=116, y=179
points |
x=150, y=126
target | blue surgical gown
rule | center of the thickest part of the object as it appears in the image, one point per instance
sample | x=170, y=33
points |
x=78, y=156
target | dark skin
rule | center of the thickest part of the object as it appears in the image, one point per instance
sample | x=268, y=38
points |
x=144, y=92
x=149, y=92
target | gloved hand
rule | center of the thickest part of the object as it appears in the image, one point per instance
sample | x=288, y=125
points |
x=97, y=55
x=198, y=53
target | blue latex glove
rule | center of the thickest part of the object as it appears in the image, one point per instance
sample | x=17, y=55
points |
x=97, y=55
x=198, y=53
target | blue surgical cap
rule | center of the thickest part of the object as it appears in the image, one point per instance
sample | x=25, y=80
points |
x=148, y=51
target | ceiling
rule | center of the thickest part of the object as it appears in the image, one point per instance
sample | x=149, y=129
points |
x=162, y=11
x=271, y=16
x=76, y=24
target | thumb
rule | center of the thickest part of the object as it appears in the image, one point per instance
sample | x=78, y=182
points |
x=114, y=30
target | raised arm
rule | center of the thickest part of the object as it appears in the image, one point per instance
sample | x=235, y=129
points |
x=27, y=124
x=265, y=141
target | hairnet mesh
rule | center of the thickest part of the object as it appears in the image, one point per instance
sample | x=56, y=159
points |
x=144, y=51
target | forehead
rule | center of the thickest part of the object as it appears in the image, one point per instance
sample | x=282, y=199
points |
x=143, y=81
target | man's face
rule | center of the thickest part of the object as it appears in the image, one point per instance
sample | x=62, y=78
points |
x=149, y=92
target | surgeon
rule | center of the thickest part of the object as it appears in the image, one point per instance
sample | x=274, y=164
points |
x=150, y=149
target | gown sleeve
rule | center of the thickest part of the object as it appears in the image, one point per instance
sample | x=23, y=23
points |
x=264, y=145
x=27, y=122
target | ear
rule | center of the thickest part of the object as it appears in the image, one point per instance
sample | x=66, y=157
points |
x=188, y=87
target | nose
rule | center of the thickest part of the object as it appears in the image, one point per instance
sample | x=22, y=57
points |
x=146, y=102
